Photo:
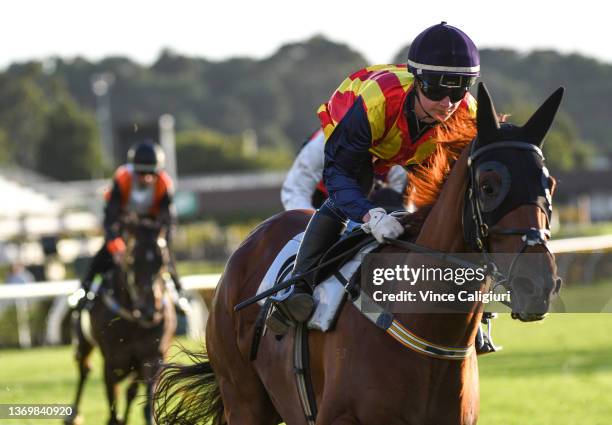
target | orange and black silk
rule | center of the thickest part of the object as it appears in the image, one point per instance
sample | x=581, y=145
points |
x=117, y=201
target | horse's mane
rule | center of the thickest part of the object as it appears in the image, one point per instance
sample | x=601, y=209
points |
x=425, y=180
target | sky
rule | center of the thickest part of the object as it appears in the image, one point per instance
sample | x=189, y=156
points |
x=218, y=30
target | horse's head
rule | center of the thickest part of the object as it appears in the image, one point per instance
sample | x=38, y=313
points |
x=146, y=257
x=508, y=204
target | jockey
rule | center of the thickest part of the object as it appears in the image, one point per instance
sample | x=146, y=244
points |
x=303, y=187
x=141, y=189
x=381, y=116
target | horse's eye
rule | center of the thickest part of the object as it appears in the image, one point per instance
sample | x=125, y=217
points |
x=487, y=188
x=493, y=180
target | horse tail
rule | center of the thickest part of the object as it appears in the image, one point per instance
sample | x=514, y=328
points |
x=188, y=394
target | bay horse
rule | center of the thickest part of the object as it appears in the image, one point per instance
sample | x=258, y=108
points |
x=496, y=199
x=132, y=320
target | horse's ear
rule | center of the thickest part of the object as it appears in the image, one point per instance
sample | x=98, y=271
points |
x=486, y=117
x=541, y=120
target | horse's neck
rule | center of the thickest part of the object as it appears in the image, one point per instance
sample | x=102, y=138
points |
x=443, y=231
x=119, y=286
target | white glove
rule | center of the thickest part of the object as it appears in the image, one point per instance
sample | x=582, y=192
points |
x=382, y=225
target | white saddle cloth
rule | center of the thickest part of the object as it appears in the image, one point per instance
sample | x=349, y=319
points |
x=328, y=294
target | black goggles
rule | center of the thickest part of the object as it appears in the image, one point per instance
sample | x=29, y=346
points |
x=438, y=87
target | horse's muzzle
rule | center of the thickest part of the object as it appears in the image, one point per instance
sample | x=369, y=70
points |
x=531, y=297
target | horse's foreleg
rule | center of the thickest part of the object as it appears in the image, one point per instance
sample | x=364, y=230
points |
x=110, y=383
x=131, y=393
x=148, y=407
x=82, y=357
x=149, y=372
x=84, y=369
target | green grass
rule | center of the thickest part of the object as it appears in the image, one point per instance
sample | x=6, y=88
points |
x=555, y=372
x=49, y=375
x=595, y=297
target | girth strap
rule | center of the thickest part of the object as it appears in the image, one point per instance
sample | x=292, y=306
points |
x=303, y=378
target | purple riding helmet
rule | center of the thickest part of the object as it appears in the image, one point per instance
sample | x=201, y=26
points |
x=445, y=62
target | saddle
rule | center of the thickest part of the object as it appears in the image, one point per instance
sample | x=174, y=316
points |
x=344, y=258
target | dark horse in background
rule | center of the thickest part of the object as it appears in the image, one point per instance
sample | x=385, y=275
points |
x=495, y=199
x=132, y=320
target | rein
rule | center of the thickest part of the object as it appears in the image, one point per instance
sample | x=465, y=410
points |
x=287, y=283
x=531, y=236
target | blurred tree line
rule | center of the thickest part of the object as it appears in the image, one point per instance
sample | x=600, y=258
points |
x=47, y=109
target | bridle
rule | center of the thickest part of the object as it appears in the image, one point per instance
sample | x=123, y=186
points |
x=479, y=240
x=531, y=236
